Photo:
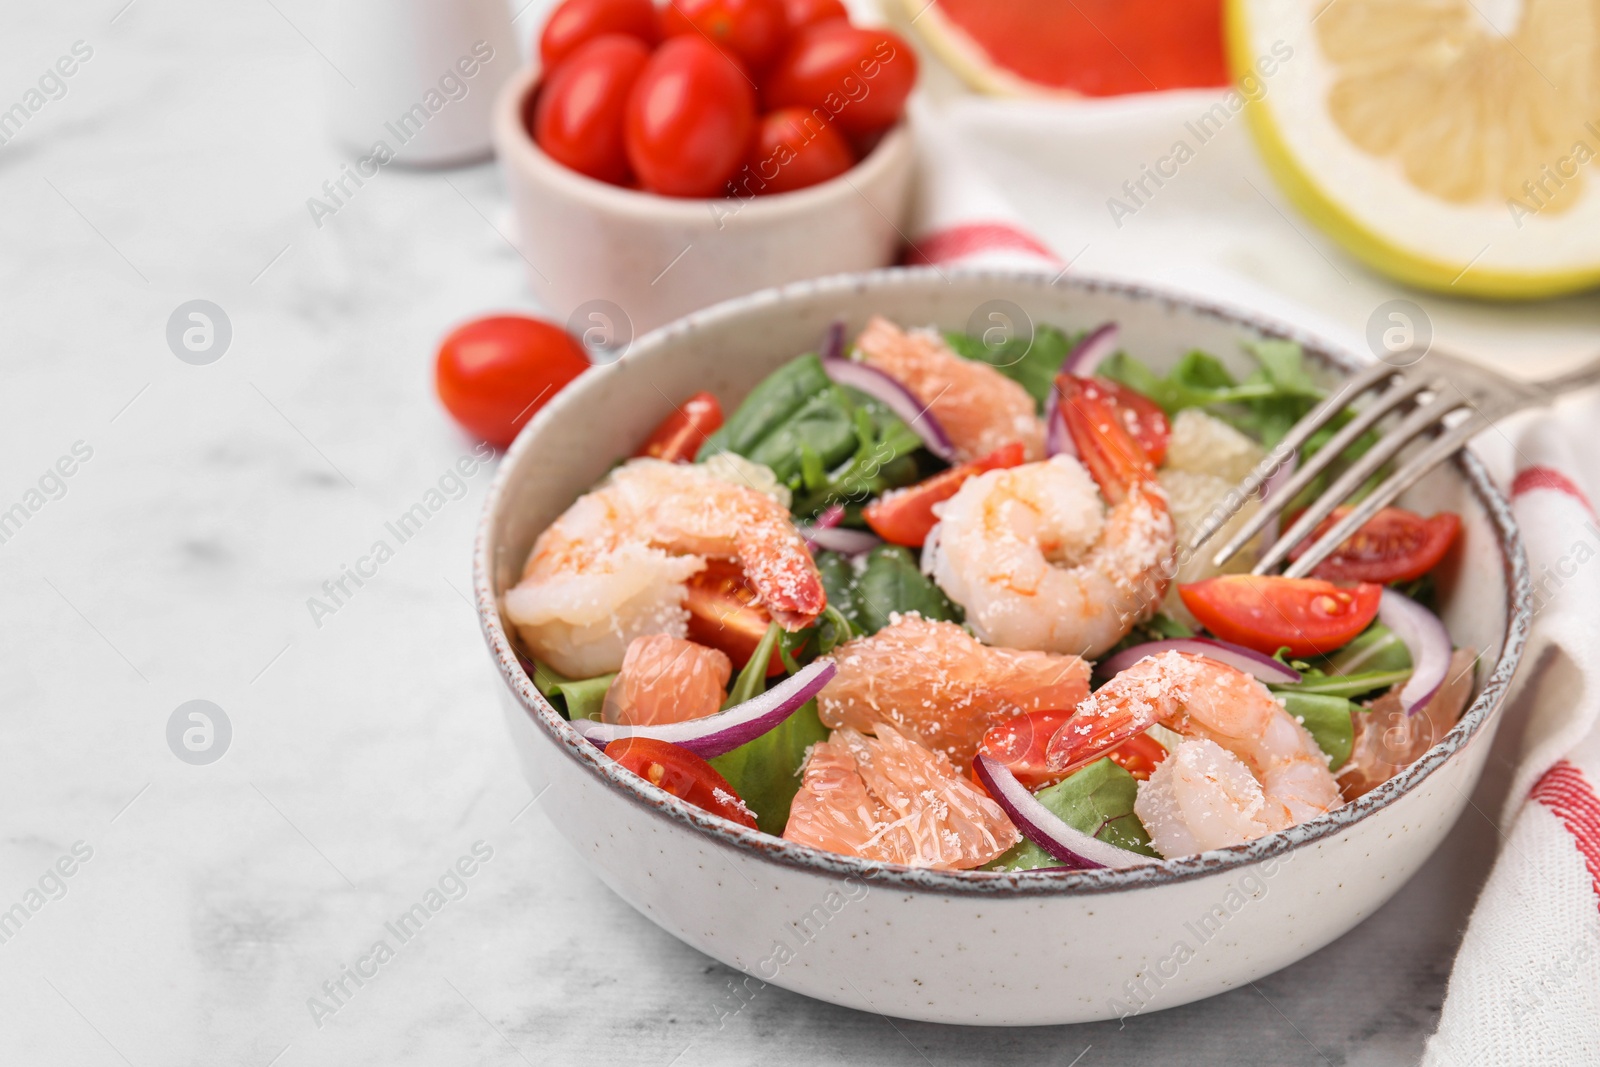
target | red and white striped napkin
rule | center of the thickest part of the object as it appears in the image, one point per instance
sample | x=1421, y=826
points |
x=1525, y=988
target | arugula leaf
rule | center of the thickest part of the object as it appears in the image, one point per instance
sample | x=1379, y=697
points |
x=1097, y=800
x=1031, y=363
x=890, y=581
x=577, y=698
x=752, y=680
x=1327, y=719
x=1377, y=648
x=1348, y=686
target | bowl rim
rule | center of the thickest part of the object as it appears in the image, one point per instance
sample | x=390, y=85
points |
x=804, y=858
x=522, y=155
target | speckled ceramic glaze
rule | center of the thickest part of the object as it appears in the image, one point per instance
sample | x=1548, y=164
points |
x=972, y=947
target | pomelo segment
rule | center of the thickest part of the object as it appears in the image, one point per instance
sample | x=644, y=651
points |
x=1449, y=144
x=1083, y=48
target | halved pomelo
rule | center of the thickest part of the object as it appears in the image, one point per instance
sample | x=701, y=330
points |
x=1450, y=144
x=1082, y=48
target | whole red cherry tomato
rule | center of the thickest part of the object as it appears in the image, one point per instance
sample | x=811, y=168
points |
x=810, y=12
x=494, y=373
x=860, y=76
x=576, y=21
x=578, y=121
x=793, y=149
x=689, y=119
x=750, y=30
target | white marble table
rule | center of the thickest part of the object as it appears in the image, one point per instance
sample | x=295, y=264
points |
x=367, y=754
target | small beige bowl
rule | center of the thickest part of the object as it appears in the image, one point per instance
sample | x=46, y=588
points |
x=655, y=258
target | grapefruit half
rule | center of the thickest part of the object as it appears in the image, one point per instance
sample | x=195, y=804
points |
x=1082, y=48
x=1450, y=144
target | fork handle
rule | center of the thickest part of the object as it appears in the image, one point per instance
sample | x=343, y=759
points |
x=1588, y=374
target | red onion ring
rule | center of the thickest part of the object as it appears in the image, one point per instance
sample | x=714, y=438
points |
x=726, y=730
x=897, y=398
x=1044, y=828
x=833, y=341
x=1248, y=660
x=841, y=540
x=1057, y=441
x=1426, y=639
x=1094, y=349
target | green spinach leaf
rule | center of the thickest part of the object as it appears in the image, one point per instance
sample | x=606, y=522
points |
x=889, y=582
x=1032, y=363
x=577, y=698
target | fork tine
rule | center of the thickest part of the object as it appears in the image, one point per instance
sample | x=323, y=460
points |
x=1298, y=434
x=1445, y=446
x=1390, y=399
x=1423, y=418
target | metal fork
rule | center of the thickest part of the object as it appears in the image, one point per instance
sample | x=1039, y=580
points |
x=1454, y=402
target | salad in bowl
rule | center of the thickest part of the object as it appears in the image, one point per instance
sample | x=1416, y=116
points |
x=925, y=598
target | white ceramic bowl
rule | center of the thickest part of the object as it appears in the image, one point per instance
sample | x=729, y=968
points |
x=657, y=257
x=974, y=947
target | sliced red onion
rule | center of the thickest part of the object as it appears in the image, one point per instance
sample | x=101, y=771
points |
x=1087, y=355
x=839, y=539
x=1247, y=660
x=833, y=341
x=1426, y=639
x=1270, y=488
x=726, y=730
x=1044, y=828
x=1057, y=441
x=897, y=398
x=831, y=516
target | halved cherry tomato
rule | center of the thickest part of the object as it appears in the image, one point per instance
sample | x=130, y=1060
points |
x=725, y=614
x=578, y=118
x=577, y=21
x=493, y=374
x=810, y=12
x=1395, y=545
x=680, y=435
x=1022, y=742
x=1309, y=616
x=683, y=774
x=689, y=119
x=751, y=31
x=793, y=149
x=860, y=76
x=1139, y=755
x=905, y=517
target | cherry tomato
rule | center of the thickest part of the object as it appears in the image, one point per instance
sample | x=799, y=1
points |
x=1142, y=416
x=725, y=614
x=578, y=120
x=794, y=149
x=906, y=516
x=576, y=21
x=1395, y=545
x=681, y=434
x=1021, y=744
x=810, y=12
x=1308, y=616
x=751, y=31
x=683, y=774
x=1139, y=755
x=689, y=120
x=859, y=76
x=493, y=374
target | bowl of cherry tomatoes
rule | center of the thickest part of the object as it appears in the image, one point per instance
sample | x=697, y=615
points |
x=661, y=159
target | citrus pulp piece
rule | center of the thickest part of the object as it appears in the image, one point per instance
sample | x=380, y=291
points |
x=1450, y=144
x=1088, y=48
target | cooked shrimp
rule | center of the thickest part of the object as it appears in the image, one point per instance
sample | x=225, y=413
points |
x=935, y=682
x=666, y=679
x=888, y=798
x=1201, y=796
x=979, y=408
x=1039, y=562
x=613, y=566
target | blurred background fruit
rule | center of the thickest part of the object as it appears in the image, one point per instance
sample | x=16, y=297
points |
x=1445, y=143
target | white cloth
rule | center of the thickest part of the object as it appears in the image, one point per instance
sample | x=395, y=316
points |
x=1076, y=197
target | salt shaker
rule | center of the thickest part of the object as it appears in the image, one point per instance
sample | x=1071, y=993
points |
x=415, y=80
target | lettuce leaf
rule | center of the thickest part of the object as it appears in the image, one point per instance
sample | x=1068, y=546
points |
x=1097, y=800
x=576, y=698
x=1327, y=719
